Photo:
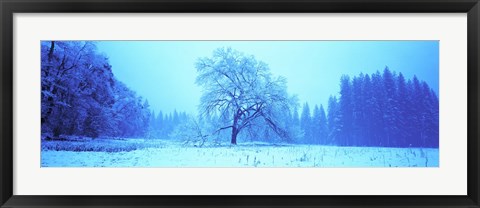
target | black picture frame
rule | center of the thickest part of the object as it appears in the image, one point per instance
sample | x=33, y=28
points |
x=9, y=7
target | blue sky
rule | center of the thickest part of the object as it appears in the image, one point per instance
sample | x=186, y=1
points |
x=164, y=71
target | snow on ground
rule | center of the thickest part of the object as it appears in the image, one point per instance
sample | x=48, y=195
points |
x=171, y=154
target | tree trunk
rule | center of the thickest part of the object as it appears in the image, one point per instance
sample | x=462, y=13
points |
x=234, y=135
x=56, y=132
x=235, y=129
x=50, y=52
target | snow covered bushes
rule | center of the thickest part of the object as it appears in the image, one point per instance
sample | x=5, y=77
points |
x=100, y=145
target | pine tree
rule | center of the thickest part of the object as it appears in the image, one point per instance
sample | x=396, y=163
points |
x=369, y=103
x=315, y=125
x=305, y=123
x=358, y=105
x=377, y=109
x=296, y=117
x=159, y=124
x=346, y=112
x=430, y=116
x=323, y=129
x=417, y=122
x=402, y=112
x=333, y=121
x=390, y=108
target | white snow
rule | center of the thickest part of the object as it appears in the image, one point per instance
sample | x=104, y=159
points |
x=171, y=154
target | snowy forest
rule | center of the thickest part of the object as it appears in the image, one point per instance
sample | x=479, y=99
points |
x=85, y=108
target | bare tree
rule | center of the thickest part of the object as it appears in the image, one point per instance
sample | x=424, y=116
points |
x=241, y=89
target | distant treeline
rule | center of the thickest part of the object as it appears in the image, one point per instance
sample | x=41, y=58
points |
x=382, y=109
x=162, y=124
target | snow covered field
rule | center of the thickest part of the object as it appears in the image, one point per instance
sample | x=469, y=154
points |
x=160, y=153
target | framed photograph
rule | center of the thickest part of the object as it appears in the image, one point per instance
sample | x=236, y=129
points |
x=239, y=104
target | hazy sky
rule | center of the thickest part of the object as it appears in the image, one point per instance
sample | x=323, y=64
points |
x=164, y=71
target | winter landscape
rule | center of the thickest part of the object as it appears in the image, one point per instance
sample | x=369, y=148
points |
x=231, y=104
